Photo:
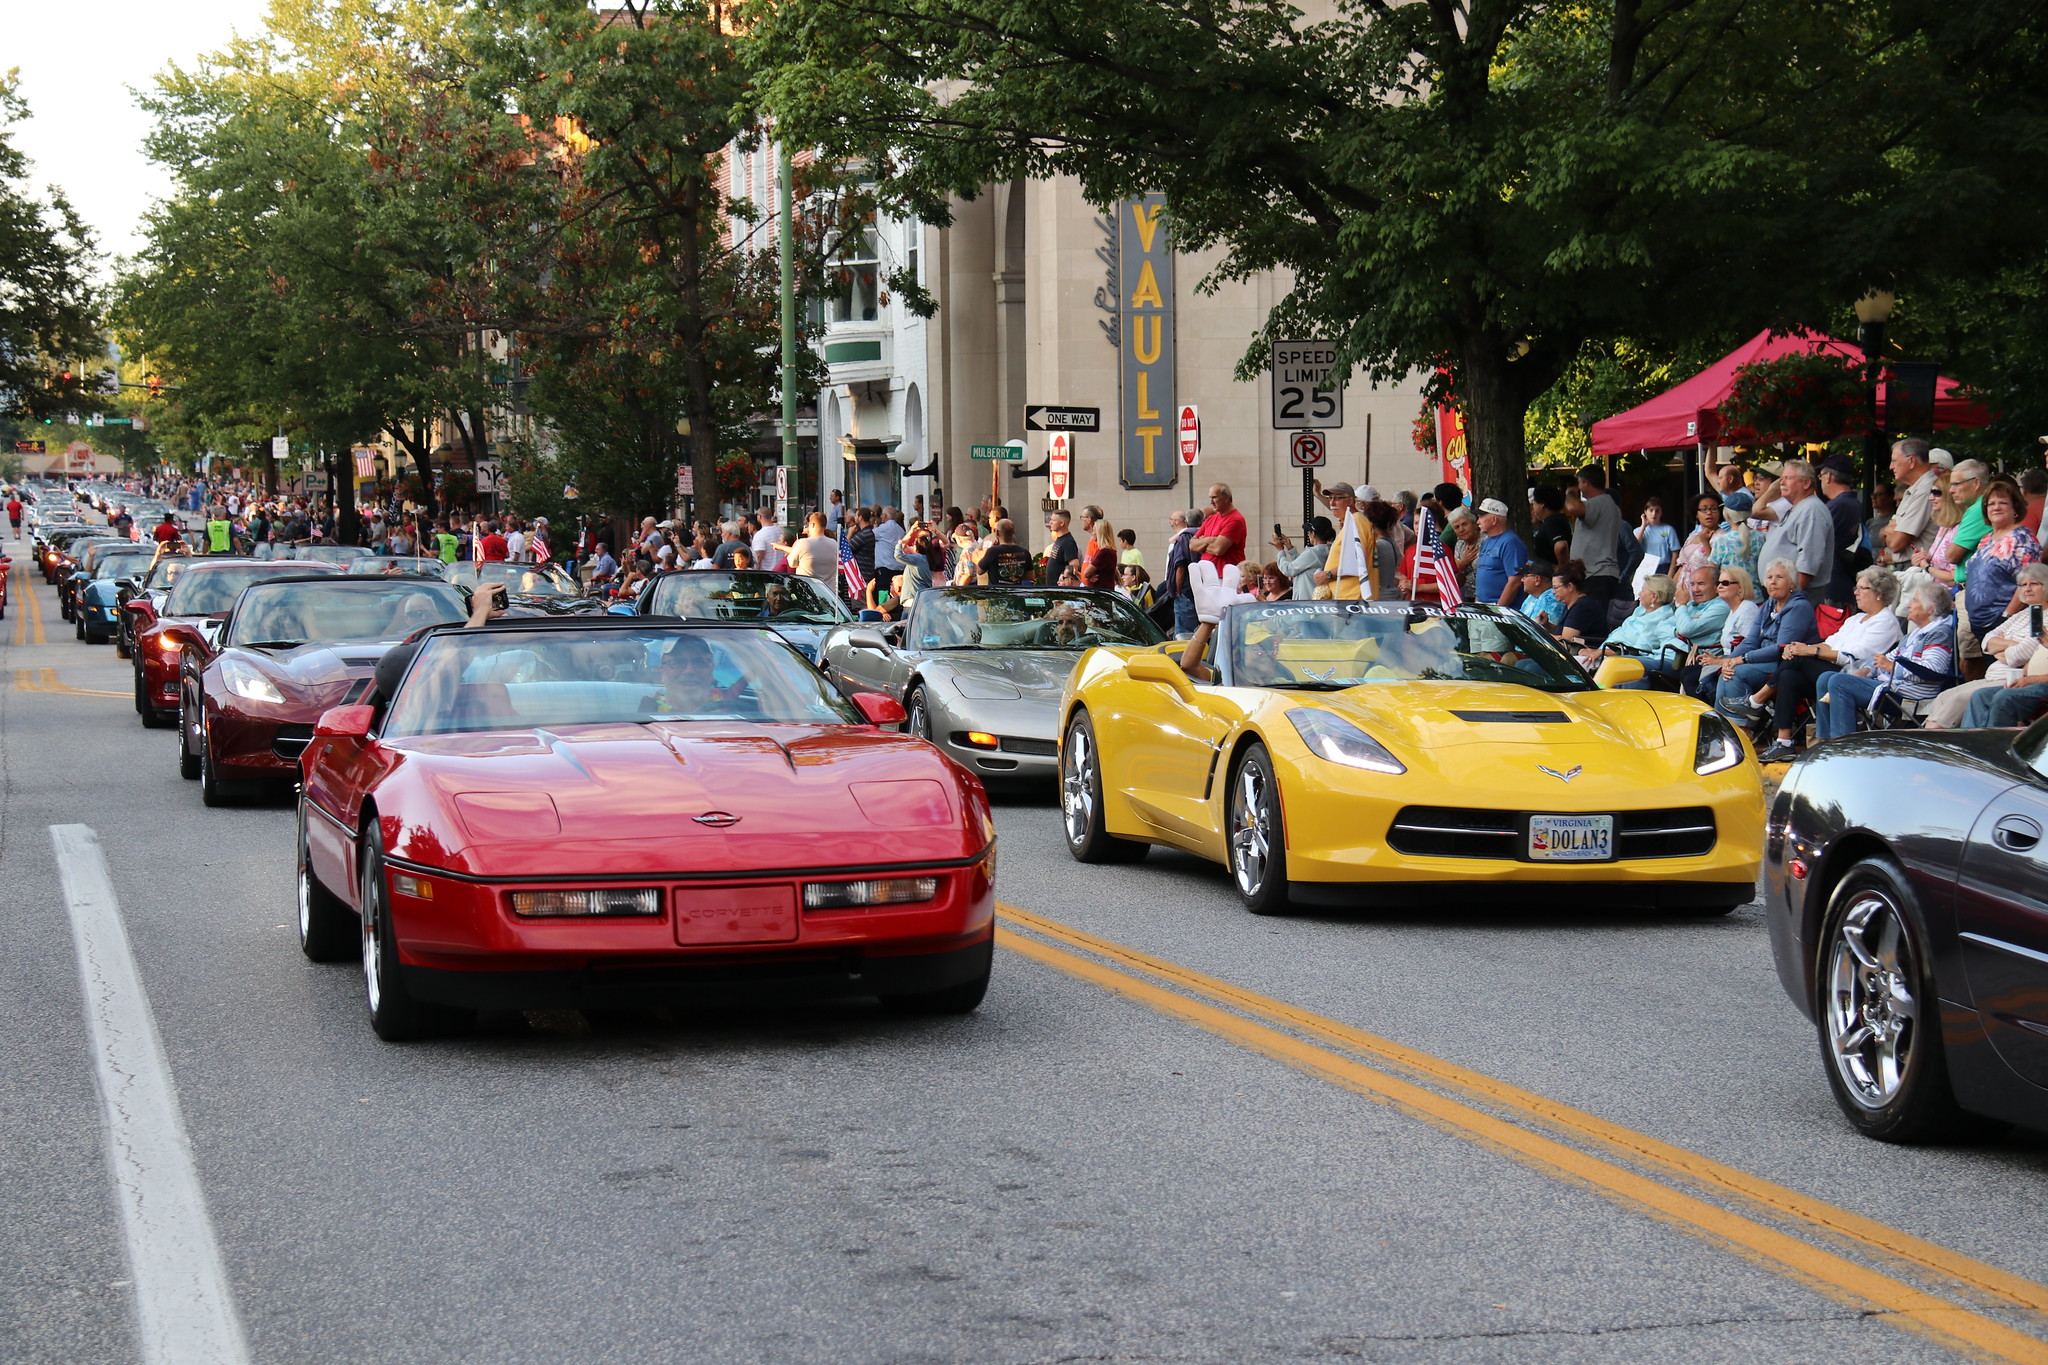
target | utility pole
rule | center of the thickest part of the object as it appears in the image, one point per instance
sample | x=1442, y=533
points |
x=785, y=240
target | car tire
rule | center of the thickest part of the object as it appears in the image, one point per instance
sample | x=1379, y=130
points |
x=394, y=1015
x=917, y=716
x=1874, y=981
x=963, y=998
x=188, y=762
x=1088, y=838
x=328, y=930
x=77, y=627
x=152, y=719
x=1255, y=834
x=213, y=789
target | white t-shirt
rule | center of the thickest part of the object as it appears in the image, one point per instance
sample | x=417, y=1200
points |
x=515, y=545
x=817, y=557
x=764, y=540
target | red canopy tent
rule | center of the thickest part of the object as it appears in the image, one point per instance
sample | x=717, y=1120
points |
x=1688, y=415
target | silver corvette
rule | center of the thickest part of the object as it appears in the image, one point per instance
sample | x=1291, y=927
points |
x=980, y=670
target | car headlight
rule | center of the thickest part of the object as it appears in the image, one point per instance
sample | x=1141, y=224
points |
x=1718, y=749
x=1340, y=741
x=244, y=681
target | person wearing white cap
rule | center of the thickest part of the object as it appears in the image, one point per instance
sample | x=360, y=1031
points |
x=1501, y=555
x=1352, y=569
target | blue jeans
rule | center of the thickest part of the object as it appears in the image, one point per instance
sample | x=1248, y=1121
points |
x=1184, y=622
x=1843, y=696
x=1748, y=678
x=2005, y=706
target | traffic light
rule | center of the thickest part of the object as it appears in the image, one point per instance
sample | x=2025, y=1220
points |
x=156, y=387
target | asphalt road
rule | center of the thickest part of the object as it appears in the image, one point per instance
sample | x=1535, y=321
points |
x=1173, y=1133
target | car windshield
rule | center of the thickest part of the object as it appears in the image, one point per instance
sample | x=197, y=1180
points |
x=1027, y=618
x=167, y=569
x=119, y=566
x=327, y=554
x=509, y=679
x=1331, y=645
x=520, y=580
x=396, y=564
x=209, y=588
x=280, y=615
x=745, y=595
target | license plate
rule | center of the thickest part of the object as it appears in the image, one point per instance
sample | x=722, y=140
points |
x=1571, y=838
x=736, y=914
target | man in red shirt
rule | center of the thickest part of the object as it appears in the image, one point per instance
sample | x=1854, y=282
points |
x=1222, y=537
x=166, y=530
x=494, y=546
x=14, y=513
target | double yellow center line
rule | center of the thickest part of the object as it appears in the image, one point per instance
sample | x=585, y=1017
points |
x=21, y=595
x=1941, y=1294
x=26, y=680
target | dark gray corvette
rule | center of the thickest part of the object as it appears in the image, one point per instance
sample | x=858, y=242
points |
x=980, y=670
x=1906, y=888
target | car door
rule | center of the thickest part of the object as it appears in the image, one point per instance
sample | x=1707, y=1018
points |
x=861, y=668
x=2002, y=918
x=1164, y=748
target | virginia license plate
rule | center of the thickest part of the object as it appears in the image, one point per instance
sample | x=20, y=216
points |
x=1571, y=838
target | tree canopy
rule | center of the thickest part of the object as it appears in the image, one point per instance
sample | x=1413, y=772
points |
x=1478, y=187
x=49, y=309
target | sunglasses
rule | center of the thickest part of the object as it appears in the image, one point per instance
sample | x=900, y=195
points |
x=1727, y=583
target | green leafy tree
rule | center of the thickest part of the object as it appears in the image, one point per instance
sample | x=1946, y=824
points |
x=49, y=311
x=1487, y=186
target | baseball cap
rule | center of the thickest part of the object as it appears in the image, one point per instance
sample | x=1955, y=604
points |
x=1541, y=566
x=1494, y=506
x=1839, y=464
x=1367, y=493
x=1338, y=490
x=1941, y=457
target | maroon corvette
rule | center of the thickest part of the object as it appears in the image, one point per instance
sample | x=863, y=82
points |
x=289, y=649
x=179, y=615
x=631, y=811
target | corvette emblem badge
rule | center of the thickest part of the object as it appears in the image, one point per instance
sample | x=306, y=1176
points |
x=1565, y=776
x=717, y=819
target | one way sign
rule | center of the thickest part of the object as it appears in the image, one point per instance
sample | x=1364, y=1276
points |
x=1043, y=417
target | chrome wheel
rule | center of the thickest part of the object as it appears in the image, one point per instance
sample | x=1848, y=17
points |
x=918, y=720
x=1872, y=1015
x=373, y=952
x=1251, y=830
x=1077, y=785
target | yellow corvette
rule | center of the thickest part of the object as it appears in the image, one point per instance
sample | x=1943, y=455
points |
x=1337, y=753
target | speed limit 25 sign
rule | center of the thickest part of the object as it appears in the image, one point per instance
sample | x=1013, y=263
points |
x=1303, y=395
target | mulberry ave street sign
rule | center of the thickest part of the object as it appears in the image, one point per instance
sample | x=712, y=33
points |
x=1042, y=417
x=995, y=452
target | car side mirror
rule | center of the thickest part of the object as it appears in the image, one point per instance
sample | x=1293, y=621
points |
x=345, y=722
x=1157, y=668
x=866, y=639
x=1616, y=671
x=878, y=708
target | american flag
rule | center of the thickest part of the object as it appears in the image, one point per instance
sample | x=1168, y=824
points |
x=1433, y=562
x=849, y=571
x=537, y=541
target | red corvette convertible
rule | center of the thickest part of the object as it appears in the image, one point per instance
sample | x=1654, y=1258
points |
x=200, y=592
x=591, y=811
x=289, y=649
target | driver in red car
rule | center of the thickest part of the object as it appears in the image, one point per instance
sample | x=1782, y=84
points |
x=687, y=686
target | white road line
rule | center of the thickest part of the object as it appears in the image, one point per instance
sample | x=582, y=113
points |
x=184, y=1308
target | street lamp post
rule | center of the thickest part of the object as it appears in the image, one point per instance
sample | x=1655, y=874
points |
x=1873, y=311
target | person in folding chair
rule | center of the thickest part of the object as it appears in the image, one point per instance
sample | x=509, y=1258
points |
x=1894, y=686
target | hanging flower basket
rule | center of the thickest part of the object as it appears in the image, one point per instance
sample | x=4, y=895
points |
x=1425, y=429
x=1809, y=398
x=736, y=478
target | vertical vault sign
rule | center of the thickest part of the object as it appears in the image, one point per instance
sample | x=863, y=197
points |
x=1146, y=357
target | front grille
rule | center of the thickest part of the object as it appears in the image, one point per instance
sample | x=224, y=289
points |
x=1681, y=832
x=1515, y=717
x=291, y=741
x=1448, y=832
x=1453, y=832
x=1036, y=748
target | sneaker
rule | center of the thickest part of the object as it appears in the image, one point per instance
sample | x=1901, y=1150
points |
x=1741, y=709
x=1781, y=751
